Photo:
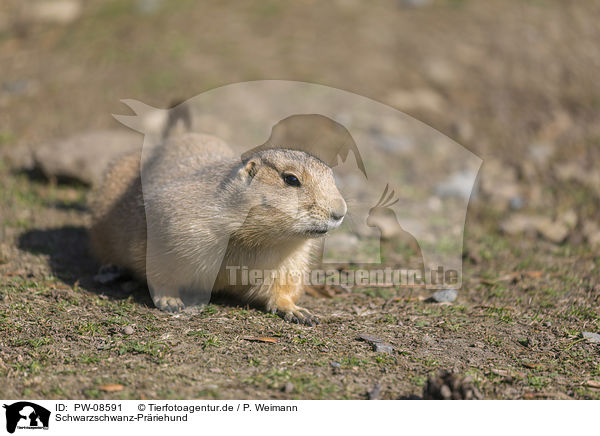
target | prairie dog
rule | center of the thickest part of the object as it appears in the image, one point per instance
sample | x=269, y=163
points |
x=208, y=210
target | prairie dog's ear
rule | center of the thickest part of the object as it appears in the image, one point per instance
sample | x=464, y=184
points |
x=250, y=168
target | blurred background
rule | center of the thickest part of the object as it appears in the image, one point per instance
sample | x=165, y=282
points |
x=514, y=81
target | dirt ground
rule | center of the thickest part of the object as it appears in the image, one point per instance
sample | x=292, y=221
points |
x=513, y=81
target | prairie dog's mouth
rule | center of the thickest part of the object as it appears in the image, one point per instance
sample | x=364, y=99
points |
x=321, y=229
x=317, y=230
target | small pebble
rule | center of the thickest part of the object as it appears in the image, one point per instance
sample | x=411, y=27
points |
x=414, y=3
x=444, y=296
x=517, y=202
x=380, y=347
x=369, y=338
x=460, y=184
x=374, y=392
x=554, y=231
x=287, y=388
x=148, y=6
x=336, y=365
x=591, y=337
x=128, y=330
x=377, y=343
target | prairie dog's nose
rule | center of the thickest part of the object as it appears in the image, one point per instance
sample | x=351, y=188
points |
x=338, y=209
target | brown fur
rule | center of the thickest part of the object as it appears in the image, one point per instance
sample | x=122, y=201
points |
x=214, y=210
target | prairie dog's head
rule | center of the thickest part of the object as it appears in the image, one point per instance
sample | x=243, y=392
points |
x=290, y=194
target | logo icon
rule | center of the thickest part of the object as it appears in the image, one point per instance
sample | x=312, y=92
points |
x=26, y=415
x=415, y=229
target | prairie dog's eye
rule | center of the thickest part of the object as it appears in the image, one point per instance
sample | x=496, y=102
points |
x=291, y=179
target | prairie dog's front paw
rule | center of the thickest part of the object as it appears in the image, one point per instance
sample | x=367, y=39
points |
x=169, y=304
x=296, y=314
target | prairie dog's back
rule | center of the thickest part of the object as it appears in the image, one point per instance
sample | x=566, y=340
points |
x=184, y=155
x=118, y=233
